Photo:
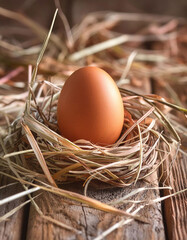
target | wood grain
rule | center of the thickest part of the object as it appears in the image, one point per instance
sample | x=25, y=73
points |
x=91, y=222
x=15, y=227
x=175, y=208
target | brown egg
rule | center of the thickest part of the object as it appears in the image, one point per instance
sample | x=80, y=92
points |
x=90, y=107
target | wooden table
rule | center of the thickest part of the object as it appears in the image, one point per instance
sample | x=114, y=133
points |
x=166, y=221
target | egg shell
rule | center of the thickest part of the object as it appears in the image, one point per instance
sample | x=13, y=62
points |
x=90, y=107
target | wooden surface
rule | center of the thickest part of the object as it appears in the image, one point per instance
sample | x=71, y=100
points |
x=175, y=208
x=91, y=222
x=15, y=227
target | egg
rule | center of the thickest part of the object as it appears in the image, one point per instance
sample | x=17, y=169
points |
x=90, y=107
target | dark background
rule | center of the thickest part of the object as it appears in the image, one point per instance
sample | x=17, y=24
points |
x=75, y=10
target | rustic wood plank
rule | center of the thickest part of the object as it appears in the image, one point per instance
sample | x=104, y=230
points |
x=92, y=222
x=15, y=227
x=174, y=209
x=175, y=213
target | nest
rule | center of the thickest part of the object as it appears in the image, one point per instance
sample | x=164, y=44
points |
x=135, y=155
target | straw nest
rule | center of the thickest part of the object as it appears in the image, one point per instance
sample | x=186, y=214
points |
x=135, y=155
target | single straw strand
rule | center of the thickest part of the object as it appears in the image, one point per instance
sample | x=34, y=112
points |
x=18, y=195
